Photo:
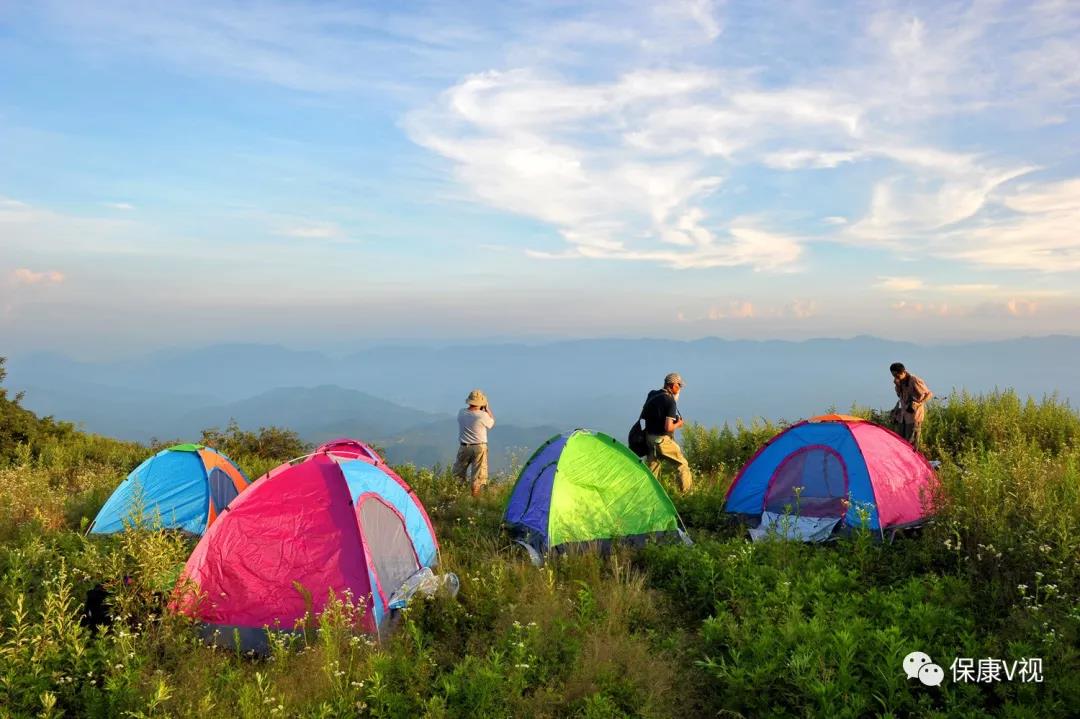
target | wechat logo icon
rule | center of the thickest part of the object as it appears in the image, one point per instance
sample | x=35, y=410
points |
x=919, y=664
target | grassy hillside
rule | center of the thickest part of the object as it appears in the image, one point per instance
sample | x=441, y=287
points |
x=723, y=628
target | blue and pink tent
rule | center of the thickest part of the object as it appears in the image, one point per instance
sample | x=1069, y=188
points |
x=830, y=473
x=338, y=521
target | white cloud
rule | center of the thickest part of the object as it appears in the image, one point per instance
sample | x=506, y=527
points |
x=900, y=284
x=527, y=144
x=125, y=206
x=1039, y=234
x=1021, y=307
x=968, y=288
x=621, y=125
x=739, y=309
x=317, y=231
x=905, y=307
x=744, y=309
x=23, y=276
x=802, y=309
x=800, y=159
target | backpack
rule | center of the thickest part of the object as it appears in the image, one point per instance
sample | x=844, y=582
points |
x=636, y=439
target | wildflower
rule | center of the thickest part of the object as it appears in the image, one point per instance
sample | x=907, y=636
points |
x=1038, y=576
x=1022, y=588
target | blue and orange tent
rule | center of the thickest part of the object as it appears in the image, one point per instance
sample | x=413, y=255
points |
x=184, y=487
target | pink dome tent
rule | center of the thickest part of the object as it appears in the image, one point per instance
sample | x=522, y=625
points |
x=339, y=520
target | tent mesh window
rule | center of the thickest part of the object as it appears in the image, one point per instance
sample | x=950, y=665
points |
x=811, y=482
x=388, y=545
x=222, y=489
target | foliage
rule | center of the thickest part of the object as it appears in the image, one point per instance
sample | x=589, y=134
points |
x=722, y=628
x=19, y=427
x=267, y=443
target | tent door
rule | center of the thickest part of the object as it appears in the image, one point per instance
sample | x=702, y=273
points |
x=810, y=482
x=390, y=550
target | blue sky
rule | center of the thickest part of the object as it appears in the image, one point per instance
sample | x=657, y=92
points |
x=326, y=174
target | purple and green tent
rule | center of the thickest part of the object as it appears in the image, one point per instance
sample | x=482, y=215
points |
x=582, y=488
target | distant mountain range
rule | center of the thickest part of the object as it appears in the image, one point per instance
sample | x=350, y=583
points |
x=406, y=397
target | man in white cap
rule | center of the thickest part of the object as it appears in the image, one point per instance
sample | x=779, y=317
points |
x=474, y=421
x=662, y=418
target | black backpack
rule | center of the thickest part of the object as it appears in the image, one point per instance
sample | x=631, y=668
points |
x=636, y=439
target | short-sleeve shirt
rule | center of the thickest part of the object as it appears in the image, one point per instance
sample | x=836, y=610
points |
x=912, y=389
x=659, y=405
x=473, y=425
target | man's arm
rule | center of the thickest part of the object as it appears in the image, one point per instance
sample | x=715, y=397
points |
x=671, y=424
x=490, y=422
x=922, y=393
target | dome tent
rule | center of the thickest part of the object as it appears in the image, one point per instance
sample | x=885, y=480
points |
x=346, y=448
x=183, y=487
x=335, y=521
x=585, y=487
x=830, y=473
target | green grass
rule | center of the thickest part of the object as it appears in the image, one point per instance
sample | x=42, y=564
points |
x=723, y=628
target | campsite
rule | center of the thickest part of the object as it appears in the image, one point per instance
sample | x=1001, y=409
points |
x=724, y=626
x=616, y=359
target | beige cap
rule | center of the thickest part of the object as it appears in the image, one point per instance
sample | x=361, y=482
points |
x=476, y=397
x=674, y=378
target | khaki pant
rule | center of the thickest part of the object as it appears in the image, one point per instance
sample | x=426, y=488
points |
x=912, y=432
x=664, y=451
x=474, y=456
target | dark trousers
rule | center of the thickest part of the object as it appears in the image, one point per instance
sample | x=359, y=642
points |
x=912, y=432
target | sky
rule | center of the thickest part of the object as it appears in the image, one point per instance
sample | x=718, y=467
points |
x=330, y=174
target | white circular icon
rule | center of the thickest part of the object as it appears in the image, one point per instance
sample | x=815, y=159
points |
x=931, y=675
x=914, y=662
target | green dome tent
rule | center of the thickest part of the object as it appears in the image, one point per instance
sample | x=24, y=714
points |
x=585, y=487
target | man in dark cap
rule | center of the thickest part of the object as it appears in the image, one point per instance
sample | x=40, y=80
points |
x=911, y=408
x=662, y=418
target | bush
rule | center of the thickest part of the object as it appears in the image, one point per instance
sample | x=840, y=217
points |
x=274, y=443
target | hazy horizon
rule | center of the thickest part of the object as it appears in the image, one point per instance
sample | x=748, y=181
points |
x=341, y=349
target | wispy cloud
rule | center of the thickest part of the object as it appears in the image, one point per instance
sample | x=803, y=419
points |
x=124, y=206
x=905, y=307
x=1021, y=308
x=1013, y=308
x=24, y=276
x=318, y=231
x=900, y=284
x=743, y=309
x=624, y=166
x=1034, y=227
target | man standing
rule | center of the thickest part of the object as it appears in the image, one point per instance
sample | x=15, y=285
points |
x=474, y=421
x=661, y=415
x=911, y=409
